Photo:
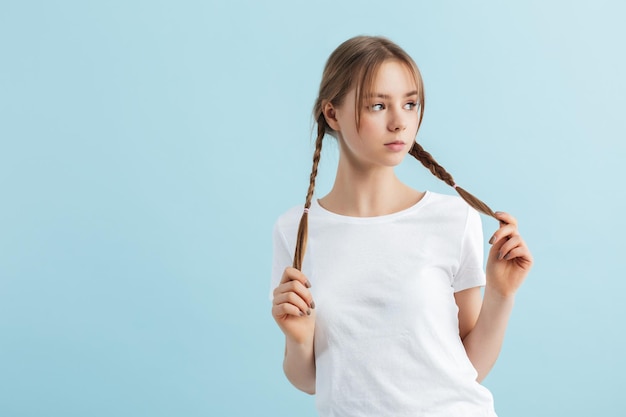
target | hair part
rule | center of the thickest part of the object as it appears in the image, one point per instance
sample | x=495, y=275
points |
x=355, y=64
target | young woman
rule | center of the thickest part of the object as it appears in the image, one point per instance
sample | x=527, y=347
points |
x=384, y=315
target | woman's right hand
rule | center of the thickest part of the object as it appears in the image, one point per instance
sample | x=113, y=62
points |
x=293, y=307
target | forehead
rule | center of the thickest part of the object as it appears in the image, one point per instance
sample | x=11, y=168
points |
x=393, y=77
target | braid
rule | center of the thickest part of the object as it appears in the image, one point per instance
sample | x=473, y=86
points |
x=438, y=171
x=429, y=162
x=304, y=220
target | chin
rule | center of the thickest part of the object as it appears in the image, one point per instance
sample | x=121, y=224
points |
x=394, y=162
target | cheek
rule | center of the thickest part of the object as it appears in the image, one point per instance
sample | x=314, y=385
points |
x=414, y=124
x=369, y=125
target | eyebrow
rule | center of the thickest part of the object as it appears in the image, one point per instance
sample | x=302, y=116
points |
x=387, y=96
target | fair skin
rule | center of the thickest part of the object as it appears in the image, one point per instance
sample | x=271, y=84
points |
x=366, y=186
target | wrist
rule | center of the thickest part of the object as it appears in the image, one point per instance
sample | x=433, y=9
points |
x=499, y=297
x=299, y=346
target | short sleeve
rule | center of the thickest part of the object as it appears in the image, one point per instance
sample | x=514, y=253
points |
x=471, y=273
x=281, y=257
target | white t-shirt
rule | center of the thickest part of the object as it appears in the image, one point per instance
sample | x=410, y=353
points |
x=386, y=334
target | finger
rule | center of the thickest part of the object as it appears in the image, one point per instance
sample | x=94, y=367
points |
x=286, y=309
x=297, y=288
x=520, y=254
x=508, y=246
x=505, y=218
x=292, y=274
x=505, y=231
x=293, y=299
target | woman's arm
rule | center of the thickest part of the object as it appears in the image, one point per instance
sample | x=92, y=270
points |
x=482, y=323
x=293, y=311
x=299, y=363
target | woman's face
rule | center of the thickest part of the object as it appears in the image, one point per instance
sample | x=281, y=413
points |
x=388, y=121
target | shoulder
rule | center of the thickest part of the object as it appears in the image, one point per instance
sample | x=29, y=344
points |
x=448, y=205
x=289, y=220
x=451, y=211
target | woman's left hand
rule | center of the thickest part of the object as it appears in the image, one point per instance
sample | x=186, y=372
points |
x=509, y=258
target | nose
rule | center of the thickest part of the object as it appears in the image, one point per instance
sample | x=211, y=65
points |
x=397, y=121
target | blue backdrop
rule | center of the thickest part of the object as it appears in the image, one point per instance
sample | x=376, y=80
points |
x=146, y=148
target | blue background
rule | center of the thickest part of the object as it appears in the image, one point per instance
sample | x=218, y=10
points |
x=146, y=148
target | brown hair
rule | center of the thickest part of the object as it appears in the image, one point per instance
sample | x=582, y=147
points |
x=355, y=63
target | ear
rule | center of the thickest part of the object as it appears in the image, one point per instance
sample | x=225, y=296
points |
x=329, y=114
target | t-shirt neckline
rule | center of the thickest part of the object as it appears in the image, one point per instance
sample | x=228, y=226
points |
x=317, y=208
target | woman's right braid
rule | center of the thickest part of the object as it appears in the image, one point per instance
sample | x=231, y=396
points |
x=304, y=220
x=437, y=170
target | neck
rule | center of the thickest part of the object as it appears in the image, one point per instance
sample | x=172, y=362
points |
x=368, y=192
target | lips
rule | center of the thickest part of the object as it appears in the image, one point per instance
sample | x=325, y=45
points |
x=395, y=146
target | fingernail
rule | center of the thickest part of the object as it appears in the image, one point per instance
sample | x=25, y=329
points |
x=312, y=304
x=301, y=314
x=307, y=284
x=492, y=240
x=308, y=312
x=508, y=255
x=499, y=255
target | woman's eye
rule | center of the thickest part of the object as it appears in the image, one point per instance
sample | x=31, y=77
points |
x=410, y=106
x=377, y=107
